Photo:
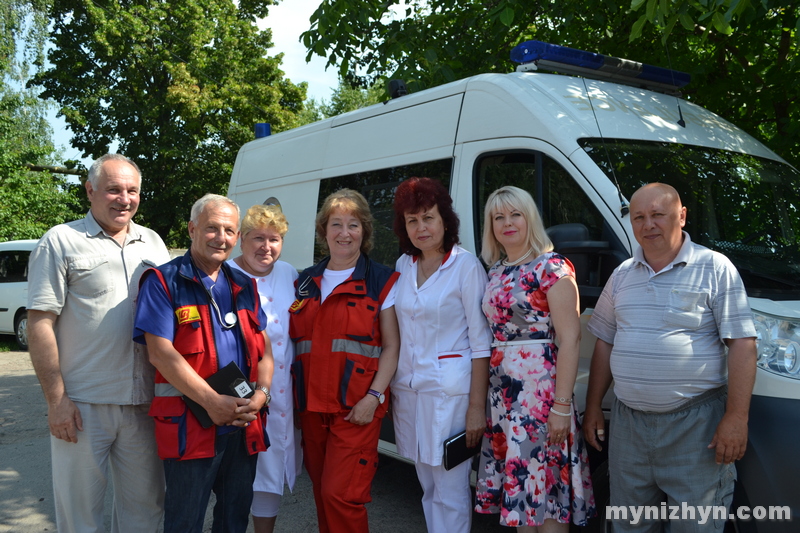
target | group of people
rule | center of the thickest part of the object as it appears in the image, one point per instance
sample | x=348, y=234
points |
x=327, y=354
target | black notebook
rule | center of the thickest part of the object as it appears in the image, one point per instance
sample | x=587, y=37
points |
x=456, y=451
x=228, y=381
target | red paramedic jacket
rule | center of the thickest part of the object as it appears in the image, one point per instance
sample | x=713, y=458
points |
x=179, y=434
x=338, y=342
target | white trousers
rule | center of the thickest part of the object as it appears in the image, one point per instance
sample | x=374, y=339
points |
x=120, y=437
x=447, y=498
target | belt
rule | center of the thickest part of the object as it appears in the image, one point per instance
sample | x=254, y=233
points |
x=498, y=344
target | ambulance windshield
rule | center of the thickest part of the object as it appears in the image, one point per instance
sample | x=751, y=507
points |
x=746, y=207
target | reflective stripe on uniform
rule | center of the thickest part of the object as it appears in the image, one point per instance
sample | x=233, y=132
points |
x=166, y=389
x=350, y=346
x=302, y=347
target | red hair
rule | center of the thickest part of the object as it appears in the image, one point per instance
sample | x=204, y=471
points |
x=418, y=194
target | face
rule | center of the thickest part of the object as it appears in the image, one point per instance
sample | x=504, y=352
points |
x=214, y=236
x=657, y=219
x=261, y=247
x=426, y=229
x=510, y=228
x=116, y=198
x=344, y=234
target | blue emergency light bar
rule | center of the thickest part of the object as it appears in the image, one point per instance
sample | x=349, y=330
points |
x=537, y=54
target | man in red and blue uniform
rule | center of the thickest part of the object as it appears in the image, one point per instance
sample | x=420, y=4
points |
x=196, y=316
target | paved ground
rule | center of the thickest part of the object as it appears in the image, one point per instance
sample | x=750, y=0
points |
x=26, y=499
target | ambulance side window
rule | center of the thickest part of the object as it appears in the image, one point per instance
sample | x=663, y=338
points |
x=554, y=190
x=378, y=188
x=573, y=222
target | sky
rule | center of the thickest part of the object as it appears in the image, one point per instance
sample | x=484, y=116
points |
x=287, y=20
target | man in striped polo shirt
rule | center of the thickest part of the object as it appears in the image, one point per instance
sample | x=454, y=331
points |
x=675, y=332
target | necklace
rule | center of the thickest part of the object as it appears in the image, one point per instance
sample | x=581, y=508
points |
x=422, y=275
x=518, y=261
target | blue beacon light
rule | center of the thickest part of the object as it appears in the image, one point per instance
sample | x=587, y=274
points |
x=532, y=55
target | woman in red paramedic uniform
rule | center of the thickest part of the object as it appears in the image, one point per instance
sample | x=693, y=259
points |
x=346, y=342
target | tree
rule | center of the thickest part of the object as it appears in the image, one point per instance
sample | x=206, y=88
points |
x=348, y=98
x=743, y=69
x=30, y=202
x=175, y=85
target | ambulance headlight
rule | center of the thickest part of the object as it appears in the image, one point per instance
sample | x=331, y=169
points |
x=778, y=342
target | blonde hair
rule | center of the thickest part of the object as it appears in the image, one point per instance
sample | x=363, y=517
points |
x=516, y=199
x=263, y=216
x=349, y=201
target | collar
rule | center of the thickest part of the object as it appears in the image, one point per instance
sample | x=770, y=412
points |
x=94, y=229
x=360, y=271
x=448, y=259
x=685, y=255
x=310, y=280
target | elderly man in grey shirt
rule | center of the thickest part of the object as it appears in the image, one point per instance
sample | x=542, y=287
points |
x=83, y=281
x=675, y=331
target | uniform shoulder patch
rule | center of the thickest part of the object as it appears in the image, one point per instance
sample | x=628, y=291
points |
x=187, y=313
x=297, y=305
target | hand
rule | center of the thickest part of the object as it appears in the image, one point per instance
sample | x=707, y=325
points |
x=64, y=420
x=249, y=412
x=476, y=425
x=594, y=427
x=225, y=411
x=558, y=427
x=730, y=439
x=361, y=414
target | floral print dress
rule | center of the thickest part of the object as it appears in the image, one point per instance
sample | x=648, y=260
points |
x=521, y=475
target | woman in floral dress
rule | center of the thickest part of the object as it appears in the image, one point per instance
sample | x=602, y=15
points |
x=534, y=469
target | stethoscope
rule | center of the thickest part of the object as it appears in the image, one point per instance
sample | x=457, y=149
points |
x=230, y=317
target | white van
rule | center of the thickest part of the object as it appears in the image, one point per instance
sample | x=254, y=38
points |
x=14, y=289
x=581, y=146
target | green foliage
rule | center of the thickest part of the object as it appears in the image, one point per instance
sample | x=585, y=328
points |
x=742, y=55
x=175, y=85
x=23, y=25
x=8, y=343
x=348, y=98
x=344, y=98
x=30, y=202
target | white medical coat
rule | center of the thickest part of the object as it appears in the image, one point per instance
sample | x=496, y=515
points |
x=442, y=328
x=282, y=460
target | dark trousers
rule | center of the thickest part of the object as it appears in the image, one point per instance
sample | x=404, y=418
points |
x=230, y=474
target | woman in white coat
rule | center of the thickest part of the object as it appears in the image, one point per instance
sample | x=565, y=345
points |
x=440, y=386
x=263, y=229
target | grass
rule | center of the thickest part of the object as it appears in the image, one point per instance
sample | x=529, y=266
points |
x=8, y=343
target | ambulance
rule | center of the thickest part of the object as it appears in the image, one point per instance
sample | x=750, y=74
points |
x=581, y=138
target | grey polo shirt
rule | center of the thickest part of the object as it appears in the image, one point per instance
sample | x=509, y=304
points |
x=668, y=327
x=90, y=281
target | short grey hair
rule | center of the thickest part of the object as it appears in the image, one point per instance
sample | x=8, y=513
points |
x=212, y=199
x=96, y=170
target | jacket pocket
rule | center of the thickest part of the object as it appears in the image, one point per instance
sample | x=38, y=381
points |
x=360, y=313
x=189, y=340
x=169, y=414
x=356, y=380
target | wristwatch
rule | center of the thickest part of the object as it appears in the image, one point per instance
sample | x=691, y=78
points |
x=265, y=391
x=380, y=396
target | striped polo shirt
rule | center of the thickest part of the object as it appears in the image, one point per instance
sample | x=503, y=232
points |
x=668, y=327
